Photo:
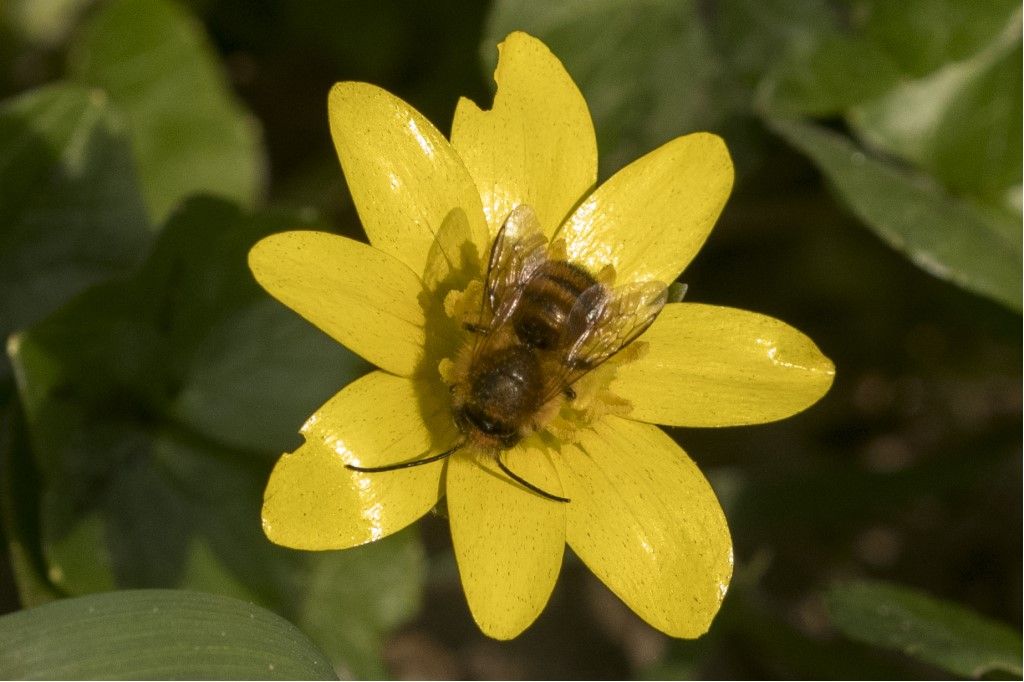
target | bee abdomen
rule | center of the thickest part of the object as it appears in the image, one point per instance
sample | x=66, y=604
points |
x=547, y=301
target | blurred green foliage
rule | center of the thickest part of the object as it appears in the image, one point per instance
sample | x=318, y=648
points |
x=156, y=406
x=945, y=235
x=931, y=630
x=188, y=133
x=69, y=201
x=156, y=383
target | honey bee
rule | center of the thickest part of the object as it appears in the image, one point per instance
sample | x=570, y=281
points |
x=544, y=322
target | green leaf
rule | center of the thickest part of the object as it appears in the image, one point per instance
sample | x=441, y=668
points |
x=756, y=34
x=154, y=635
x=42, y=22
x=923, y=35
x=647, y=69
x=937, y=83
x=871, y=48
x=952, y=238
x=930, y=630
x=839, y=72
x=19, y=510
x=772, y=643
x=961, y=123
x=156, y=407
x=71, y=213
x=188, y=132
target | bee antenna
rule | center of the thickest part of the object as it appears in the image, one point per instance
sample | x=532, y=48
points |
x=410, y=463
x=526, y=484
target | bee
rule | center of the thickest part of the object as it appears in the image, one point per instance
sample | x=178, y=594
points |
x=543, y=323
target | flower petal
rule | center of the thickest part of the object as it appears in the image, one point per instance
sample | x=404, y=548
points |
x=646, y=522
x=403, y=174
x=453, y=259
x=714, y=366
x=651, y=218
x=536, y=145
x=508, y=540
x=361, y=297
x=313, y=502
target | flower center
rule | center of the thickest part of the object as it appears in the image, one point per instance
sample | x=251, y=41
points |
x=511, y=379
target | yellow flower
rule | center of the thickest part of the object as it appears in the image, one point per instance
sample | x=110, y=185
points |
x=641, y=515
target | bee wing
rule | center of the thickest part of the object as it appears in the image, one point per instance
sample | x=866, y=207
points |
x=518, y=253
x=601, y=323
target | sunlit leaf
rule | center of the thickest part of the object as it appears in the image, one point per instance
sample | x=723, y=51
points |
x=156, y=406
x=44, y=22
x=859, y=52
x=154, y=635
x=937, y=83
x=960, y=123
x=188, y=132
x=931, y=630
x=950, y=237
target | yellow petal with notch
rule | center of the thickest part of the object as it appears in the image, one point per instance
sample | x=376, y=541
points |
x=508, y=540
x=714, y=366
x=362, y=297
x=403, y=174
x=536, y=145
x=651, y=218
x=645, y=521
x=313, y=501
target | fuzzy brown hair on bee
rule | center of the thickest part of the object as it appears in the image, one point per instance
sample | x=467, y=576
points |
x=499, y=393
x=543, y=324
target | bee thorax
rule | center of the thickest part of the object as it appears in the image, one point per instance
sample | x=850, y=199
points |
x=505, y=389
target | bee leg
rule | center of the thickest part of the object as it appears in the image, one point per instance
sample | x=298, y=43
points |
x=406, y=465
x=526, y=484
x=474, y=328
x=569, y=393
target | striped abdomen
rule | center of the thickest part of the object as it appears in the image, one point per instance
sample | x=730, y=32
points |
x=546, y=303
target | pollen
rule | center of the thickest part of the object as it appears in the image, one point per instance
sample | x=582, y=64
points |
x=593, y=398
x=561, y=418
